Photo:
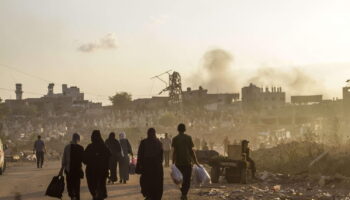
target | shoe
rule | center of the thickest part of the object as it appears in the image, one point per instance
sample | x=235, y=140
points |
x=121, y=181
x=124, y=182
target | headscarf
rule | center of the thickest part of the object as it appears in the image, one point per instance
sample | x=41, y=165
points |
x=111, y=135
x=96, y=137
x=151, y=133
x=153, y=146
x=122, y=135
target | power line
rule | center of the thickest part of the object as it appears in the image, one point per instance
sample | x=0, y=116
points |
x=47, y=81
x=28, y=92
x=25, y=73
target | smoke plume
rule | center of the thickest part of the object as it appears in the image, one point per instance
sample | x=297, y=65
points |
x=294, y=81
x=215, y=72
x=107, y=42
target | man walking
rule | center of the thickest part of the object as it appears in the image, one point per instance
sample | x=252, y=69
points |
x=72, y=166
x=39, y=150
x=166, y=142
x=183, y=157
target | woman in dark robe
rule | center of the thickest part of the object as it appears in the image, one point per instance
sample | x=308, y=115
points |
x=114, y=147
x=96, y=158
x=124, y=161
x=149, y=165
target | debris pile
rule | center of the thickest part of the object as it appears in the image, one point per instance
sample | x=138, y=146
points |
x=274, y=186
x=304, y=157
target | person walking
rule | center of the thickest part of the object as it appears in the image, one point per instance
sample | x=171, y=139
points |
x=39, y=151
x=150, y=166
x=114, y=147
x=124, y=161
x=72, y=166
x=96, y=158
x=166, y=142
x=183, y=157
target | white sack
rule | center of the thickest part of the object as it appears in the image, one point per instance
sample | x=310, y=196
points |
x=176, y=175
x=200, y=175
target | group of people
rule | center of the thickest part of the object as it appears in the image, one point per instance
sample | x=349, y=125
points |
x=101, y=158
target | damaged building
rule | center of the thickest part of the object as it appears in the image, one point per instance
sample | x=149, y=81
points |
x=256, y=99
x=208, y=100
x=70, y=98
x=190, y=98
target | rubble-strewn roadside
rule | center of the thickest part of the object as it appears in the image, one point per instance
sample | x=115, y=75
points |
x=304, y=157
x=281, y=187
x=292, y=171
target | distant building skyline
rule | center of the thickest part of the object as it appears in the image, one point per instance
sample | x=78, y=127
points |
x=112, y=46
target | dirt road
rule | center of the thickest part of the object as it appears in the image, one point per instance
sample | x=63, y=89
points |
x=31, y=183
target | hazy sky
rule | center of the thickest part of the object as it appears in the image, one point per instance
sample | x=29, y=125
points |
x=108, y=46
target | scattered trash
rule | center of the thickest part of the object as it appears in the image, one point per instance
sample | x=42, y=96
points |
x=276, y=188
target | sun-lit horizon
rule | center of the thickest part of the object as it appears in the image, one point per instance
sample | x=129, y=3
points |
x=104, y=47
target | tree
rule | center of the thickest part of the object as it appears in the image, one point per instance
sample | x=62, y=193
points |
x=121, y=100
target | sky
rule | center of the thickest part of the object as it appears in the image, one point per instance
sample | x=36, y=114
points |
x=112, y=45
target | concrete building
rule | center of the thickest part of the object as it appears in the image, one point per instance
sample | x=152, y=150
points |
x=306, y=99
x=202, y=97
x=19, y=91
x=52, y=103
x=256, y=99
x=72, y=92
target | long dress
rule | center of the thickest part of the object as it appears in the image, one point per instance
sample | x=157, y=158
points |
x=124, y=161
x=114, y=147
x=149, y=165
x=96, y=158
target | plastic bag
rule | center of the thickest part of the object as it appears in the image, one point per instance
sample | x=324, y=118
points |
x=176, y=175
x=200, y=176
x=132, y=168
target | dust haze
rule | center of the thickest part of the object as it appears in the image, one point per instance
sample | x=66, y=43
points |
x=218, y=73
x=215, y=72
x=294, y=80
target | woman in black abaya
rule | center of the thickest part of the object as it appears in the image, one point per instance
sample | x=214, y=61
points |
x=96, y=158
x=149, y=165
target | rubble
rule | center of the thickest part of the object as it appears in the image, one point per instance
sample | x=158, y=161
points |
x=300, y=158
x=283, y=187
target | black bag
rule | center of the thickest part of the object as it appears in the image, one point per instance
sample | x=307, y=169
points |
x=56, y=187
x=132, y=168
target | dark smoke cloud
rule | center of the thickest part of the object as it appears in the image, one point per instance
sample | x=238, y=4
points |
x=215, y=72
x=107, y=42
x=294, y=81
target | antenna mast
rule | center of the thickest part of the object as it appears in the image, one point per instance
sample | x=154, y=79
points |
x=174, y=86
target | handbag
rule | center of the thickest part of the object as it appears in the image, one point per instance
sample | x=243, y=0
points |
x=56, y=187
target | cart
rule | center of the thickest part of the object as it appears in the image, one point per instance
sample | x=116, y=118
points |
x=234, y=167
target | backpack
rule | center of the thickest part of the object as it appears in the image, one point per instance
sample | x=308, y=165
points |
x=56, y=187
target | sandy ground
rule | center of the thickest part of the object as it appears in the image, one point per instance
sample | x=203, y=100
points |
x=31, y=183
